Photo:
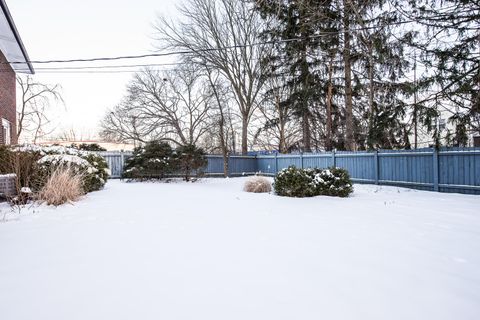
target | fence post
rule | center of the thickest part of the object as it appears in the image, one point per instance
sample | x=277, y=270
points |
x=301, y=159
x=333, y=158
x=435, y=170
x=276, y=163
x=375, y=164
x=228, y=165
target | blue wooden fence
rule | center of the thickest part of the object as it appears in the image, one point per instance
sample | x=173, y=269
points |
x=238, y=165
x=444, y=170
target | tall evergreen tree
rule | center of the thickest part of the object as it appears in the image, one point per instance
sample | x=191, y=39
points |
x=381, y=67
x=449, y=48
x=298, y=34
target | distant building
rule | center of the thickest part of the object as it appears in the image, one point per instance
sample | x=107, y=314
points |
x=11, y=50
x=476, y=140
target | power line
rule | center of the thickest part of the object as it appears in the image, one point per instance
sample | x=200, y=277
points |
x=110, y=66
x=194, y=51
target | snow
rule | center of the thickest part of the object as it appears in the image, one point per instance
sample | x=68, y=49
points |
x=63, y=159
x=208, y=250
x=51, y=150
x=25, y=190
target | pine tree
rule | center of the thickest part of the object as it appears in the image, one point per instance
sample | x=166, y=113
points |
x=298, y=31
x=449, y=47
x=384, y=88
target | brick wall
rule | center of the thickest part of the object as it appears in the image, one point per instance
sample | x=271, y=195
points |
x=7, y=97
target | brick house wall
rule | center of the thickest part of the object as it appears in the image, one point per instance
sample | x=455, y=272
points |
x=7, y=99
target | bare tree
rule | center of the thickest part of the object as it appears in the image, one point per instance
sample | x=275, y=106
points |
x=35, y=101
x=172, y=106
x=73, y=134
x=224, y=34
x=220, y=94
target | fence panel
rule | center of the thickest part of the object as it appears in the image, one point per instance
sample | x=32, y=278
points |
x=266, y=164
x=459, y=170
x=317, y=160
x=242, y=165
x=408, y=168
x=215, y=165
x=360, y=165
x=115, y=161
x=285, y=161
x=445, y=170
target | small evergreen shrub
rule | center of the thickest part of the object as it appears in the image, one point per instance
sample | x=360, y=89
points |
x=257, y=185
x=157, y=160
x=333, y=182
x=154, y=160
x=191, y=160
x=96, y=181
x=295, y=182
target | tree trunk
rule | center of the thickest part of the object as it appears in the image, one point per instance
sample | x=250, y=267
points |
x=221, y=125
x=307, y=146
x=350, y=143
x=329, y=127
x=371, y=112
x=223, y=144
x=282, y=144
x=244, y=135
x=307, y=139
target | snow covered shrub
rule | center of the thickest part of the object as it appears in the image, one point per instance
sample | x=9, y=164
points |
x=295, y=182
x=93, y=179
x=191, y=160
x=333, y=182
x=98, y=180
x=257, y=185
x=154, y=160
x=33, y=165
x=63, y=185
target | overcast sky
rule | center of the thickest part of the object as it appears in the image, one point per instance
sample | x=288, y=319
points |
x=59, y=29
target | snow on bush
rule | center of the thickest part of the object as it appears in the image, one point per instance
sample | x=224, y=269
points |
x=257, y=185
x=62, y=159
x=94, y=168
x=92, y=178
x=295, y=182
x=33, y=164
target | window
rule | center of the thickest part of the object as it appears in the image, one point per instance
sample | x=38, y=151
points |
x=6, y=128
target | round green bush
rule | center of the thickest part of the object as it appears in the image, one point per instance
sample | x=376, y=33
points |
x=295, y=182
x=333, y=182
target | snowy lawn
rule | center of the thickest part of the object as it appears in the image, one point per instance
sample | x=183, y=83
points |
x=210, y=251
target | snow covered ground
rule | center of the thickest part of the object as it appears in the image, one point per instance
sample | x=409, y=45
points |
x=210, y=251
